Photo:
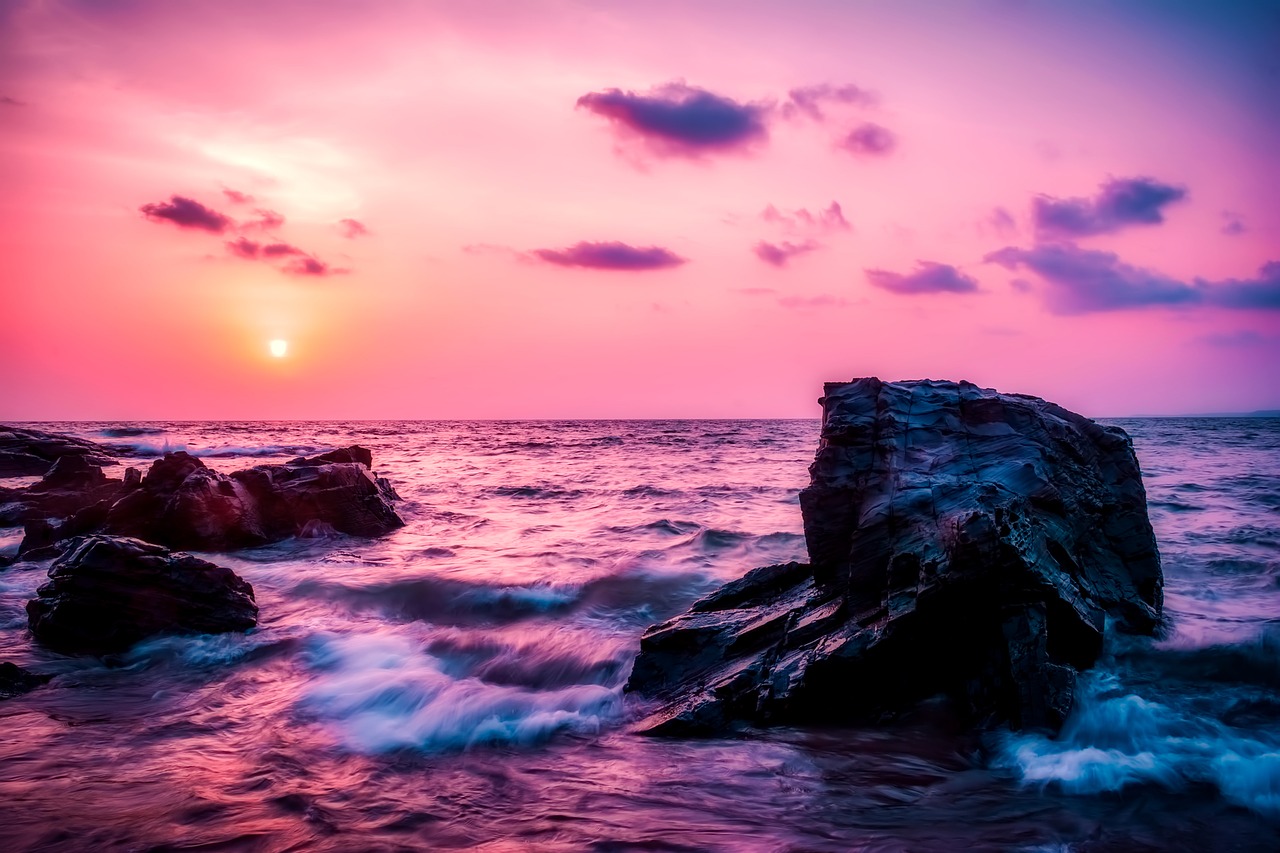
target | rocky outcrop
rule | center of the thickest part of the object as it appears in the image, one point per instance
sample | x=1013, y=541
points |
x=108, y=593
x=962, y=542
x=31, y=453
x=14, y=680
x=183, y=504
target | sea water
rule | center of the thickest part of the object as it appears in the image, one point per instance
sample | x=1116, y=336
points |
x=457, y=684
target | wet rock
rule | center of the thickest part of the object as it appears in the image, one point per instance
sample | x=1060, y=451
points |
x=14, y=680
x=962, y=542
x=183, y=504
x=108, y=593
x=30, y=452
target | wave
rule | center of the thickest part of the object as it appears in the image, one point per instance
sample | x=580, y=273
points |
x=130, y=432
x=1115, y=739
x=535, y=492
x=636, y=596
x=385, y=693
x=144, y=448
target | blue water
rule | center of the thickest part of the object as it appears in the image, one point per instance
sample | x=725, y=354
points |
x=457, y=684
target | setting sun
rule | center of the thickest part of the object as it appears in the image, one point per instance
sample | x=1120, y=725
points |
x=278, y=348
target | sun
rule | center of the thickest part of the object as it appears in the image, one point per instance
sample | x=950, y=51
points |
x=279, y=348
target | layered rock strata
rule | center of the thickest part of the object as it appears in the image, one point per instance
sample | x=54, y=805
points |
x=963, y=543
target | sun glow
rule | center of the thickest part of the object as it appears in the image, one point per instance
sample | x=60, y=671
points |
x=278, y=348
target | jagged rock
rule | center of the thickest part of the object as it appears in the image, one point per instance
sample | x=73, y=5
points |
x=14, y=680
x=108, y=592
x=963, y=542
x=183, y=504
x=30, y=452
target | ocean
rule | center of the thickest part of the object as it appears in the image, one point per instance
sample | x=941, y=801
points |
x=457, y=685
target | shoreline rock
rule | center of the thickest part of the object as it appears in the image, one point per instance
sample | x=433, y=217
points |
x=107, y=593
x=963, y=542
x=31, y=452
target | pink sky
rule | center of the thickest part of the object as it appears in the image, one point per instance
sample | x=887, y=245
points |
x=597, y=209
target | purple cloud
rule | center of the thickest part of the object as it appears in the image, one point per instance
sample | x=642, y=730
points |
x=352, y=228
x=610, y=256
x=830, y=218
x=11, y=102
x=929, y=277
x=1003, y=222
x=677, y=120
x=780, y=254
x=1086, y=280
x=1120, y=202
x=310, y=266
x=187, y=213
x=268, y=220
x=869, y=140
x=808, y=100
x=1232, y=224
x=237, y=197
x=244, y=247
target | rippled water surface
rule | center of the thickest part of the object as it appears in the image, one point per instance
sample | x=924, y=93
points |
x=457, y=684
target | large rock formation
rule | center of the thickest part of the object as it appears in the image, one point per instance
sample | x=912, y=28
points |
x=963, y=542
x=183, y=504
x=31, y=453
x=107, y=593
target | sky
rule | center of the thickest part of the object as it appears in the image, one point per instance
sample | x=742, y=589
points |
x=571, y=209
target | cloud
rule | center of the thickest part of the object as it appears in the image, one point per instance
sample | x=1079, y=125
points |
x=1120, y=202
x=1086, y=280
x=1241, y=338
x=280, y=250
x=1002, y=222
x=187, y=213
x=307, y=266
x=1233, y=224
x=929, y=277
x=754, y=291
x=677, y=120
x=780, y=254
x=610, y=256
x=301, y=263
x=822, y=300
x=268, y=220
x=830, y=218
x=237, y=197
x=808, y=100
x=244, y=247
x=352, y=228
x=8, y=101
x=870, y=140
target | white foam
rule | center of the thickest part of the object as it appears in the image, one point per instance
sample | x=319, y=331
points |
x=1115, y=739
x=384, y=693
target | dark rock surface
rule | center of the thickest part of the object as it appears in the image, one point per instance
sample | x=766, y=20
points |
x=963, y=542
x=183, y=504
x=107, y=593
x=31, y=453
x=14, y=680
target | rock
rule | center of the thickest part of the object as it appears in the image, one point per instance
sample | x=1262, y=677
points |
x=108, y=593
x=183, y=504
x=962, y=542
x=30, y=452
x=14, y=680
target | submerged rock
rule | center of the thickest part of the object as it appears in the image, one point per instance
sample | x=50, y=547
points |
x=31, y=452
x=14, y=680
x=962, y=542
x=108, y=593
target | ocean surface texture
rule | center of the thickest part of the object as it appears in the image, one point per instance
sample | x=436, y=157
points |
x=458, y=684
